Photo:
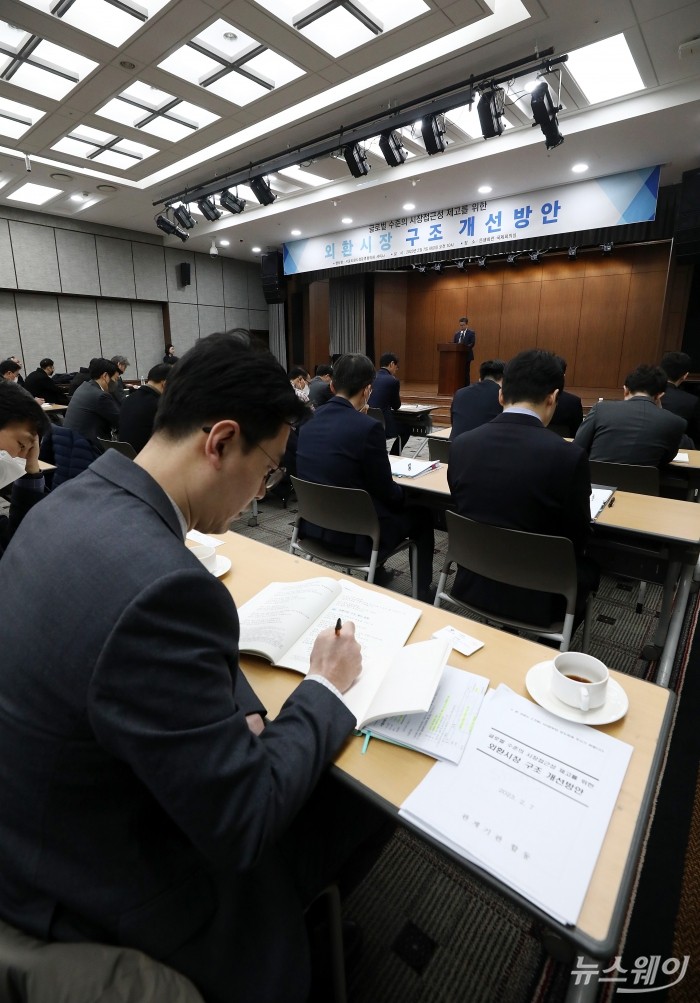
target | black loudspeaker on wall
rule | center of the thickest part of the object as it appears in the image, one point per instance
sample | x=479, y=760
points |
x=273, y=282
x=184, y=273
x=687, y=235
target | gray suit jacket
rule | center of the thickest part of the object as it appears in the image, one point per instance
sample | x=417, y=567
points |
x=631, y=431
x=92, y=412
x=123, y=716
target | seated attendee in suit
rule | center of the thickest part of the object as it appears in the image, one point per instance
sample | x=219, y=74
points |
x=514, y=472
x=82, y=376
x=93, y=410
x=479, y=402
x=386, y=396
x=20, y=379
x=117, y=388
x=677, y=365
x=22, y=423
x=138, y=412
x=170, y=358
x=166, y=813
x=568, y=413
x=345, y=447
x=40, y=384
x=320, y=386
x=634, y=430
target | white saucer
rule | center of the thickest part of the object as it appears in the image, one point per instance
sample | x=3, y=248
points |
x=223, y=564
x=538, y=686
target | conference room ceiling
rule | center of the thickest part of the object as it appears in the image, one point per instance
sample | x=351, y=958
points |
x=120, y=104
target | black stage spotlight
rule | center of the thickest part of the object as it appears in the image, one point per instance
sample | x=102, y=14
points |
x=167, y=226
x=461, y=263
x=183, y=216
x=606, y=248
x=231, y=202
x=544, y=113
x=432, y=129
x=262, y=191
x=490, y=110
x=356, y=160
x=481, y=262
x=572, y=253
x=437, y=267
x=535, y=256
x=512, y=258
x=208, y=209
x=393, y=150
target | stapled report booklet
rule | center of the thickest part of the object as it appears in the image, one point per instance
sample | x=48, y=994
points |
x=530, y=800
x=282, y=621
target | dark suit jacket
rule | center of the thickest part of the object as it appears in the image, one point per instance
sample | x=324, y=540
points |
x=386, y=395
x=467, y=338
x=474, y=405
x=123, y=714
x=136, y=416
x=514, y=472
x=40, y=384
x=631, y=431
x=568, y=413
x=92, y=412
x=685, y=405
x=319, y=392
x=343, y=447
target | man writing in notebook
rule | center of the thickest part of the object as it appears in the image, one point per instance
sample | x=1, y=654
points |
x=514, y=472
x=165, y=813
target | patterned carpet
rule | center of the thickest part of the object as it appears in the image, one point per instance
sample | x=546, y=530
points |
x=431, y=933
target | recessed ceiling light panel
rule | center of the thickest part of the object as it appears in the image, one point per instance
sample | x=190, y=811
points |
x=34, y=194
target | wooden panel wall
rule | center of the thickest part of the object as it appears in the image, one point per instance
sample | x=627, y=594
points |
x=390, y=304
x=604, y=315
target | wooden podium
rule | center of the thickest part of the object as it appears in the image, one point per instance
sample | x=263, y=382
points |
x=452, y=368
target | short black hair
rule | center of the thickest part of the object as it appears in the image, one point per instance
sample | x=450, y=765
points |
x=324, y=370
x=646, y=380
x=160, y=372
x=17, y=405
x=352, y=373
x=228, y=376
x=463, y=320
x=386, y=359
x=99, y=366
x=531, y=376
x=493, y=368
x=296, y=371
x=45, y=362
x=562, y=363
x=8, y=366
x=676, y=364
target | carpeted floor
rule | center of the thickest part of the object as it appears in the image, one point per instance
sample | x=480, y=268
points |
x=432, y=934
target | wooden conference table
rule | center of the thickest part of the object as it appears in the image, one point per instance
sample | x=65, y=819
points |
x=666, y=521
x=388, y=773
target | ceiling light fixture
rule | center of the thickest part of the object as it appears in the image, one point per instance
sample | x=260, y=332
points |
x=296, y=233
x=356, y=160
x=432, y=129
x=437, y=267
x=544, y=112
x=262, y=191
x=572, y=253
x=484, y=189
x=481, y=262
x=490, y=110
x=579, y=168
x=346, y=219
x=184, y=217
x=167, y=226
x=231, y=202
x=224, y=243
x=208, y=209
x=408, y=206
x=606, y=248
x=393, y=150
x=256, y=250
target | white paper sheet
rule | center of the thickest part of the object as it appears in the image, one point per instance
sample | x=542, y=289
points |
x=404, y=466
x=530, y=800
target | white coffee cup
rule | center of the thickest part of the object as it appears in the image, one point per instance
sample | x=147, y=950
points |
x=207, y=555
x=579, y=680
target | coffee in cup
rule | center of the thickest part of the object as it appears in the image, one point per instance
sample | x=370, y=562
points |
x=579, y=680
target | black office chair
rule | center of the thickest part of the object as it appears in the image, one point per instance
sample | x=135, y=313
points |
x=640, y=480
x=125, y=448
x=343, y=510
x=439, y=449
x=511, y=556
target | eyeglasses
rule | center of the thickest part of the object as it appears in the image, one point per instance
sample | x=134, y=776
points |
x=273, y=476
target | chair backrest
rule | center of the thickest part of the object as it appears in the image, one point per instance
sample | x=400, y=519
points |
x=125, y=448
x=562, y=430
x=439, y=449
x=345, y=510
x=514, y=557
x=626, y=477
x=377, y=414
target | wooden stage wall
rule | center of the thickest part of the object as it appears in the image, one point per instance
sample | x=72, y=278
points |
x=605, y=315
